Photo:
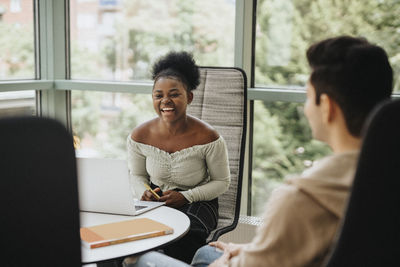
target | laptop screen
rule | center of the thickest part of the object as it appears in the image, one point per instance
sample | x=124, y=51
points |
x=103, y=186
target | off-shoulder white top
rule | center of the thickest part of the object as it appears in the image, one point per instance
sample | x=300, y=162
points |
x=201, y=171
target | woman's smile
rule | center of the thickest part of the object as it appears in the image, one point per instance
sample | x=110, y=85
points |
x=167, y=110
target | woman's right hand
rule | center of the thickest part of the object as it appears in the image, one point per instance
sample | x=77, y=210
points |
x=148, y=196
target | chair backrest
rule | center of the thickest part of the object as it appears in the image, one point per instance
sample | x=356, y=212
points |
x=221, y=100
x=370, y=232
x=39, y=197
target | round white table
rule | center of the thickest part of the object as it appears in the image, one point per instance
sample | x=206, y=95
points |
x=169, y=216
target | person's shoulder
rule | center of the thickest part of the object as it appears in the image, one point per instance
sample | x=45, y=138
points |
x=286, y=197
x=142, y=132
x=204, y=131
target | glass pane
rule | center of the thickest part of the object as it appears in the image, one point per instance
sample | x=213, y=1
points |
x=285, y=29
x=17, y=56
x=101, y=122
x=120, y=39
x=17, y=103
x=282, y=146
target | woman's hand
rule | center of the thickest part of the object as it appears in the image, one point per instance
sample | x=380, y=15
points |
x=148, y=196
x=173, y=199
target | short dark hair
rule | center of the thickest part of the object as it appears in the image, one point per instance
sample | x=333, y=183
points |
x=354, y=73
x=179, y=65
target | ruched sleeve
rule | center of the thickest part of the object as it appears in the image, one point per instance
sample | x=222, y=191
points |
x=137, y=168
x=217, y=164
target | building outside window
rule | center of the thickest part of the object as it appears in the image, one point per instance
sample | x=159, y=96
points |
x=17, y=57
x=15, y=6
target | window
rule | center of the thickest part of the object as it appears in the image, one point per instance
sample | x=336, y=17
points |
x=285, y=29
x=101, y=122
x=15, y=6
x=282, y=142
x=17, y=57
x=282, y=146
x=18, y=103
x=119, y=40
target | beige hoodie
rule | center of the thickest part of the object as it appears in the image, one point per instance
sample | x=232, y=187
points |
x=301, y=217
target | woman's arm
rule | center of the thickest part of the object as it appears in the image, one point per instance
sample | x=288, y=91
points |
x=218, y=169
x=137, y=169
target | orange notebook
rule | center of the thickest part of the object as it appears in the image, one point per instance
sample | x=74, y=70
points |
x=120, y=232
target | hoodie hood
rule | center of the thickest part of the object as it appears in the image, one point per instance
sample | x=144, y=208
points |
x=329, y=181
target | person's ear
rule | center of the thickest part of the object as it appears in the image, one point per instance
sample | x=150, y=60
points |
x=189, y=97
x=328, y=108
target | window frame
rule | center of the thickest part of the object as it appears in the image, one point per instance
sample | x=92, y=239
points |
x=53, y=84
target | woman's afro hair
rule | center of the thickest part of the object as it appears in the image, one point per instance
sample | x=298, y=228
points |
x=180, y=65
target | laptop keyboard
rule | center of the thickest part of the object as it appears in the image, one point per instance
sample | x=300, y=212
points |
x=137, y=207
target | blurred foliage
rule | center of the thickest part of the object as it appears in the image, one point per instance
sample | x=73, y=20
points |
x=17, y=57
x=286, y=28
x=120, y=126
x=282, y=146
x=284, y=31
x=85, y=113
x=145, y=31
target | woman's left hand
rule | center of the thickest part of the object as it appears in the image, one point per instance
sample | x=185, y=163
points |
x=173, y=199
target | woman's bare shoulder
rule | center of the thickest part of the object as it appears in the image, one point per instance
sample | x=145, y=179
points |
x=205, y=132
x=142, y=132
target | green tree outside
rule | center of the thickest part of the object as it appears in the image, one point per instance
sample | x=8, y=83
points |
x=17, y=57
x=285, y=29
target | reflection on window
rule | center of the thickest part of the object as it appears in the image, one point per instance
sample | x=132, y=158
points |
x=101, y=122
x=15, y=6
x=285, y=29
x=17, y=56
x=119, y=40
x=282, y=146
x=17, y=103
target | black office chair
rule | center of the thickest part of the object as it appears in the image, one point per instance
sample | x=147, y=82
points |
x=221, y=100
x=39, y=199
x=370, y=233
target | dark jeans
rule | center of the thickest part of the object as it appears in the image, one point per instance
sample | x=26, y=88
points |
x=203, y=257
x=203, y=217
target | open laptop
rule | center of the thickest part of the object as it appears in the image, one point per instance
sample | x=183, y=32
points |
x=103, y=186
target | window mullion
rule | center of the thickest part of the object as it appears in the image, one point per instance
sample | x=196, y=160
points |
x=52, y=29
x=243, y=59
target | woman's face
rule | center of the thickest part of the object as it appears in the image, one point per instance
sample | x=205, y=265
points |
x=170, y=99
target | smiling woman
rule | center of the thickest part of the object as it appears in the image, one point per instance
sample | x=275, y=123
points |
x=183, y=158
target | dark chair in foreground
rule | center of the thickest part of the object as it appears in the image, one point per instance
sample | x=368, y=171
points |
x=39, y=200
x=221, y=100
x=370, y=234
